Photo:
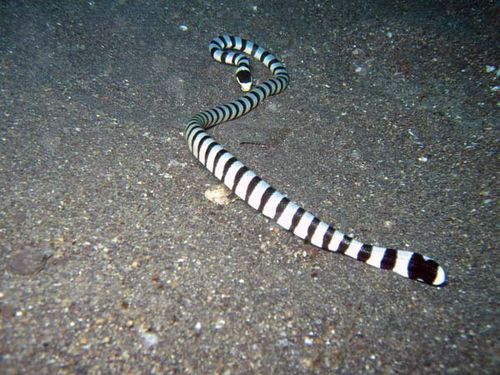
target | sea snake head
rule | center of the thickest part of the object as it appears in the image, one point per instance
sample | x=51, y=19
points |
x=244, y=78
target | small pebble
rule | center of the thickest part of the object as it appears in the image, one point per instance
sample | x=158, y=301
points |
x=388, y=224
x=220, y=323
x=149, y=339
x=490, y=68
x=197, y=327
x=27, y=261
x=283, y=343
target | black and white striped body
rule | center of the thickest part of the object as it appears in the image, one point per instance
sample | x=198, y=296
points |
x=261, y=195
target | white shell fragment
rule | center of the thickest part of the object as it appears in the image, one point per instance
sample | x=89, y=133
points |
x=219, y=194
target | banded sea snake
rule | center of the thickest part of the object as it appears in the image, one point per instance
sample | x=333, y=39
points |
x=262, y=196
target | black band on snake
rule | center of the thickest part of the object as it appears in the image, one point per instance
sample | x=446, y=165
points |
x=261, y=195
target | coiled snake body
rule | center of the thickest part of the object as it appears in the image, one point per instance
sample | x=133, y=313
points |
x=261, y=195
